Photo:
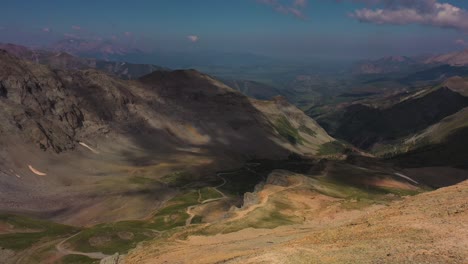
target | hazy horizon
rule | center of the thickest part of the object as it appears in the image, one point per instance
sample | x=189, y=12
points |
x=294, y=29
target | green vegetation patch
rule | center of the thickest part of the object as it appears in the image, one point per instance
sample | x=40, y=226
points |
x=336, y=188
x=270, y=220
x=78, y=259
x=197, y=219
x=241, y=181
x=355, y=185
x=111, y=238
x=36, y=230
x=307, y=130
x=178, y=179
x=244, y=179
x=332, y=148
x=122, y=236
x=141, y=180
x=174, y=215
x=288, y=131
x=209, y=193
x=265, y=217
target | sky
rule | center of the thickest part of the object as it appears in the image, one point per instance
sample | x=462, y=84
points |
x=280, y=28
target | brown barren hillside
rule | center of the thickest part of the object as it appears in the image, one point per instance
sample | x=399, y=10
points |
x=427, y=228
x=95, y=135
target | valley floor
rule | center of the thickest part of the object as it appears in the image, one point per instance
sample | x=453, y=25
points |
x=324, y=212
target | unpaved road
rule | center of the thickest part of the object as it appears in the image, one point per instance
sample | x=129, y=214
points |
x=265, y=195
x=427, y=228
x=189, y=210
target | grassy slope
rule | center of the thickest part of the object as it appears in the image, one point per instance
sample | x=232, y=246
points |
x=439, y=144
x=288, y=205
x=36, y=231
x=125, y=235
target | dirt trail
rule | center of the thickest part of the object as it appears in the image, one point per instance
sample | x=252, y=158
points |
x=265, y=195
x=64, y=251
x=427, y=228
x=199, y=196
x=216, y=189
x=191, y=215
x=223, y=179
x=25, y=256
x=189, y=210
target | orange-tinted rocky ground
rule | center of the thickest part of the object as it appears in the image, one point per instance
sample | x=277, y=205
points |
x=427, y=228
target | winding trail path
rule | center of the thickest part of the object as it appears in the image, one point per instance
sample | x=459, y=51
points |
x=189, y=210
x=60, y=247
x=263, y=200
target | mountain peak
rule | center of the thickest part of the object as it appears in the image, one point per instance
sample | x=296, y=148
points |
x=185, y=80
x=180, y=75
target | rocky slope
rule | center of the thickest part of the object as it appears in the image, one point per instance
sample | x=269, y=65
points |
x=369, y=123
x=440, y=144
x=68, y=135
x=318, y=225
x=459, y=58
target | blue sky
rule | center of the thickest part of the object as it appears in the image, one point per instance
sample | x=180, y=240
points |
x=281, y=28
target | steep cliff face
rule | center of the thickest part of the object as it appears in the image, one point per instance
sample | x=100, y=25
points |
x=37, y=105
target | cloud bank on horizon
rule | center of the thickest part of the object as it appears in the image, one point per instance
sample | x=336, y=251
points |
x=423, y=12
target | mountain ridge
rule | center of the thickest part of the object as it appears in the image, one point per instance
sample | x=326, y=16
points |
x=63, y=60
x=184, y=119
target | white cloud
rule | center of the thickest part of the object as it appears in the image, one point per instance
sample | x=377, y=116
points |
x=76, y=27
x=46, y=29
x=423, y=12
x=193, y=38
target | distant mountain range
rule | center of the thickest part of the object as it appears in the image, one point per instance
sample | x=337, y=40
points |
x=459, y=58
x=395, y=64
x=105, y=49
x=385, y=65
x=110, y=50
x=63, y=60
x=91, y=164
